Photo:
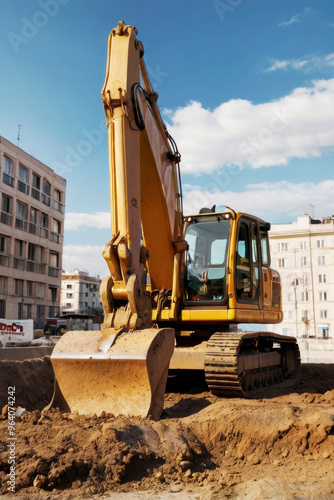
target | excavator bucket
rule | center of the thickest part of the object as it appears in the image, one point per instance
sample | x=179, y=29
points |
x=113, y=372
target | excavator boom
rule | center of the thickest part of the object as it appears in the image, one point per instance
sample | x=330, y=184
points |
x=123, y=368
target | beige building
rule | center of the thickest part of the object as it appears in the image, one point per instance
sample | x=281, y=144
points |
x=31, y=236
x=303, y=253
x=80, y=293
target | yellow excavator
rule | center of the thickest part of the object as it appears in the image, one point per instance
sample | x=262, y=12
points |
x=178, y=285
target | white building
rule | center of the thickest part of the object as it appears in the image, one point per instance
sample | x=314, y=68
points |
x=80, y=293
x=303, y=253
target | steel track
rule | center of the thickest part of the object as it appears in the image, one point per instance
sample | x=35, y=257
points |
x=244, y=364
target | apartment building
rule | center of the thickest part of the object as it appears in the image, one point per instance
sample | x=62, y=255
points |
x=31, y=236
x=80, y=293
x=303, y=253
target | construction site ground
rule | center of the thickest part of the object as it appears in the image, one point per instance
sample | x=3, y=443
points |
x=279, y=446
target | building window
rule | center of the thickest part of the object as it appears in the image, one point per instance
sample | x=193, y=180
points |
x=304, y=279
x=34, y=220
x=27, y=311
x=303, y=245
x=54, y=264
x=324, y=331
x=19, y=288
x=321, y=260
x=323, y=314
x=3, y=243
x=53, y=292
x=289, y=297
x=21, y=216
x=282, y=247
x=7, y=173
x=40, y=290
x=304, y=296
x=322, y=296
x=289, y=314
x=20, y=310
x=2, y=309
x=3, y=286
x=36, y=186
x=32, y=252
x=69, y=295
x=6, y=210
x=46, y=192
x=4, y=250
x=320, y=243
x=19, y=254
x=44, y=230
x=282, y=262
x=322, y=278
x=22, y=182
x=303, y=261
x=57, y=200
x=56, y=230
x=30, y=289
x=69, y=287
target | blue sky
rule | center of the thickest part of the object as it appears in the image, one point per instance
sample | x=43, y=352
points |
x=246, y=88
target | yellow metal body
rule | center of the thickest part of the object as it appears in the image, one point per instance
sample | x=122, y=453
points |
x=123, y=368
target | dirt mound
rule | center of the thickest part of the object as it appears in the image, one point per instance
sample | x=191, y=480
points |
x=204, y=447
x=32, y=379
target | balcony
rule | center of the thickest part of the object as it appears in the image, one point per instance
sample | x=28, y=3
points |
x=6, y=218
x=21, y=224
x=23, y=187
x=33, y=267
x=19, y=263
x=4, y=259
x=35, y=193
x=44, y=232
x=53, y=271
x=46, y=199
x=32, y=228
x=58, y=206
x=54, y=237
x=8, y=179
x=42, y=268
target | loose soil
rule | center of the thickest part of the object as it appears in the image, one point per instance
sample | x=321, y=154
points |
x=278, y=447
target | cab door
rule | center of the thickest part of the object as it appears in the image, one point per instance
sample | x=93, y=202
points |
x=247, y=266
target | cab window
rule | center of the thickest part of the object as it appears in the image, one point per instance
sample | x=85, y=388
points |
x=247, y=275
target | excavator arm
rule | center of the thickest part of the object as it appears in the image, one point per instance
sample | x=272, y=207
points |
x=122, y=369
x=145, y=194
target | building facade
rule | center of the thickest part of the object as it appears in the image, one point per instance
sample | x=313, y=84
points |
x=303, y=253
x=31, y=236
x=80, y=293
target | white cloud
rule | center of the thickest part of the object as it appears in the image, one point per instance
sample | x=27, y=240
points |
x=99, y=220
x=307, y=64
x=85, y=258
x=293, y=20
x=299, y=18
x=275, y=201
x=238, y=132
